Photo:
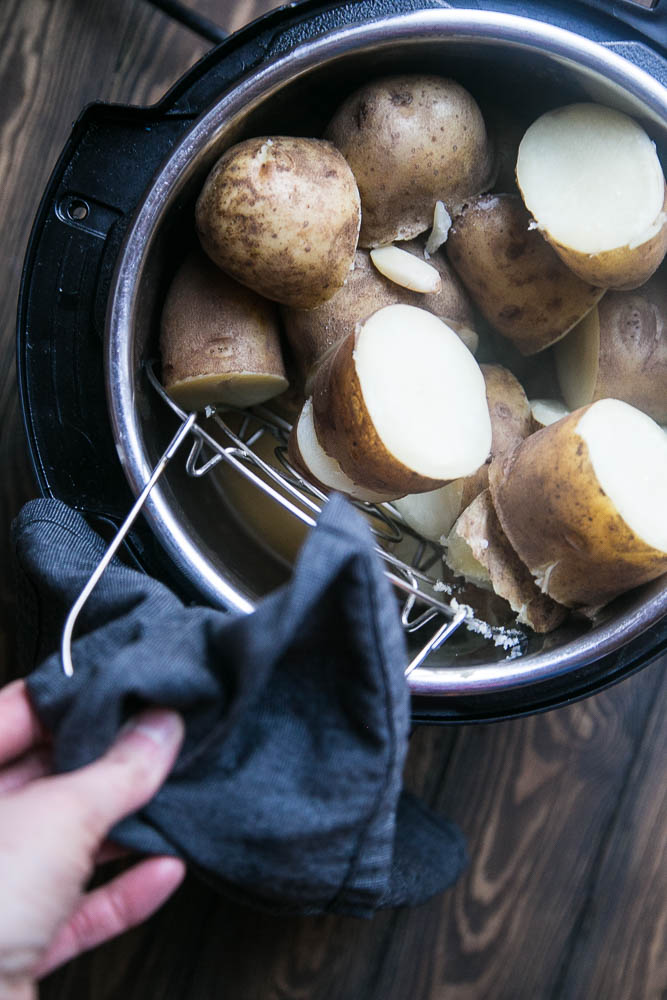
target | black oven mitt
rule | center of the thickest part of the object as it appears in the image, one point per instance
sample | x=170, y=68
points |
x=287, y=792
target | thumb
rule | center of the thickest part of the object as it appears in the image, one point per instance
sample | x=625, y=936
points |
x=127, y=776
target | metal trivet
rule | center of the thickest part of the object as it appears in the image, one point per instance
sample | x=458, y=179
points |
x=415, y=581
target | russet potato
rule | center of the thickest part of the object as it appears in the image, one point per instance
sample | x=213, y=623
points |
x=411, y=141
x=281, y=215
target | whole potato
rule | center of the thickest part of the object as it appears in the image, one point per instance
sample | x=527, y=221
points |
x=411, y=141
x=512, y=274
x=281, y=215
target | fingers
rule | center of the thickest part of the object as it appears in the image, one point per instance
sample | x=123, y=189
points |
x=109, y=911
x=20, y=729
x=34, y=764
x=126, y=777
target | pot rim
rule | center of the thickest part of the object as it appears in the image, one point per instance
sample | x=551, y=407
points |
x=494, y=28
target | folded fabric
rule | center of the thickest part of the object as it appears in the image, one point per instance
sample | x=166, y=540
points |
x=287, y=792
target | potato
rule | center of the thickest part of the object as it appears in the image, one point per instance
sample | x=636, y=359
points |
x=309, y=457
x=583, y=502
x=591, y=178
x=478, y=549
x=282, y=216
x=546, y=411
x=514, y=277
x=311, y=332
x=411, y=141
x=433, y=514
x=401, y=403
x=219, y=341
x=620, y=350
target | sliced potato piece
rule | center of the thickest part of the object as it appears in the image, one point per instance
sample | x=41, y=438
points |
x=583, y=502
x=546, y=411
x=478, y=549
x=514, y=277
x=432, y=514
x=411, y=140
x=406, y=269
x=219, y=341
x=619, y=351
x=401, y=403
x=312, y=332
x=307, y=454
x=281, y=215
x=591, y=178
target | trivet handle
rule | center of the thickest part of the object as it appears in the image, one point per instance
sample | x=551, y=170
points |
x=68, y=630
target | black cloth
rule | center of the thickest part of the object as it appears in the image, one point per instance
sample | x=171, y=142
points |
x=287, y=792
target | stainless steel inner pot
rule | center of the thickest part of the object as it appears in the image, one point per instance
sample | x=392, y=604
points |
x=522, y=62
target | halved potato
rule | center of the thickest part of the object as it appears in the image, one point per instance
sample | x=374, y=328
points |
x=478, y=549
x=514, y=277
x=401, y=403
x=432, y=514
x=620, y=350
x=411, y=140
x=307, y=454
x=591, y=178
x=312, y=332
x=547, y=411
x=219, y=341
x=281, y=215
x=583, y=502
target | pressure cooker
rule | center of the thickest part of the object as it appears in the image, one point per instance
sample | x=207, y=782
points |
x=118, y=210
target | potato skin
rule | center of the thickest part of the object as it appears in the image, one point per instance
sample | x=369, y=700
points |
x=311, y=332
x=510, y=578
x=511, y=422
x=562, y=525
x=281, y=215
x=622, y=269
x=345, y=430
x=632, y=357
x=411, y=140
x=216, y=335
x=514, y=276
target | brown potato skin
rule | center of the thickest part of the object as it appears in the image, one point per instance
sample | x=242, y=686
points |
x=553, y=511
x=345, y=430
x=411, y=140
x=213, y=326
x=514, y=276
x=510, y=578
x=511, y=422
x=632, y=363
x=621, y=269
x=311, y=332
x=283, y=222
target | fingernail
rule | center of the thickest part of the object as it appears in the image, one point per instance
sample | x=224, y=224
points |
x=159, y=724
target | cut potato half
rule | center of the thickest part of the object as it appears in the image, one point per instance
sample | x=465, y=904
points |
x=219, y=341
x=619, y=351
x=546, y=411
x=307, y=454
x=432, y=514
x=401, y=404
x=591, y=178
x=583, y=502
x=478, y=550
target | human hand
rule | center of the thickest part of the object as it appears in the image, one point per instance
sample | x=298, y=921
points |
x=52, y=834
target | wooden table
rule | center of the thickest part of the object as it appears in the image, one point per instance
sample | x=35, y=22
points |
x=565, y=813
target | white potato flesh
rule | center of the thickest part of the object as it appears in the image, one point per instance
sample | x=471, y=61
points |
x=442, y=223
x=432, y=514
x=424, y=392
x=591, y=177
x=323, y=467
x=547, y=411
x=577, y=361
x=461, y=560
x=628, y=452
x=406, y=270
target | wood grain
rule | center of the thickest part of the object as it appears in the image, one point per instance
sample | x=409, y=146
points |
x=564, y=813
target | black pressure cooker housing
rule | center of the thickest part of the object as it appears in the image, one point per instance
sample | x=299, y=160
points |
x=104, y=170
